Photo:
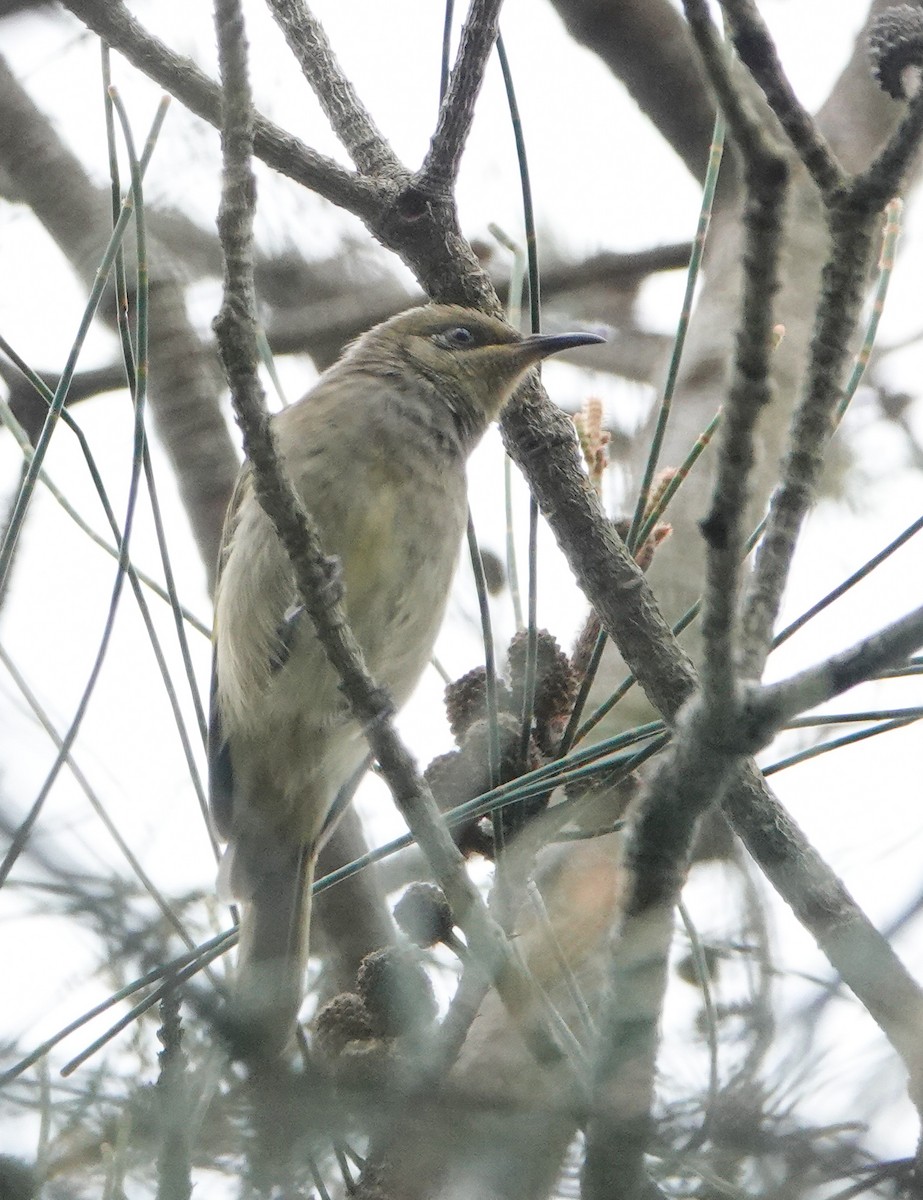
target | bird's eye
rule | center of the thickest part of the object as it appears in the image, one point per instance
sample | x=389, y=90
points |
x=459, y=336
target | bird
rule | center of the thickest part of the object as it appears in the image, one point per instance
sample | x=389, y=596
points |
x=377, y=451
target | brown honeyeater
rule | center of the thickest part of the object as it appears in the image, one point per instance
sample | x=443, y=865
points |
x=377, y=452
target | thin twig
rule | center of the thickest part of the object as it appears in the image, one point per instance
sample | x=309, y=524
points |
x=768, y=708
x=765, y=178
x=755, y=47
x=348, y=117
x=812, y=424
x=440, y=167
x=201, y=95
x=852, y=211
x=635, y=537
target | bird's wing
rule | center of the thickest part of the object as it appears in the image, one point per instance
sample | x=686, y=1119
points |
x=220, y=773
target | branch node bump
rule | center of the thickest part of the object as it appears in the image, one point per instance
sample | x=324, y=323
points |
x=896, y=50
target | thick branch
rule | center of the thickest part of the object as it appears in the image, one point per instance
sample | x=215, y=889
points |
x=857, y=115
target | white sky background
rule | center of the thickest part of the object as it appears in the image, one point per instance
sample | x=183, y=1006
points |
x=635, y=195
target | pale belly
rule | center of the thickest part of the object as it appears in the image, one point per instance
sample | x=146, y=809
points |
x=292, y=743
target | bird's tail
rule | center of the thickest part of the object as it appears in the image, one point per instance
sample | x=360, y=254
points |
x=273, y=954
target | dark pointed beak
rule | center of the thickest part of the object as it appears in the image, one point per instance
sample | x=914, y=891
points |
x=543, y=344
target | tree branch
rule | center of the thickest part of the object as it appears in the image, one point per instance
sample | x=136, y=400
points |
x=348, y=117
x=852, y=216
x=111, y=20
x=724, y=528
x=767, y=709
x=440, y=167
x=758, y=53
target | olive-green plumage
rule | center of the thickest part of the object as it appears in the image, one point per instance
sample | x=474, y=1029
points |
x=377, y=452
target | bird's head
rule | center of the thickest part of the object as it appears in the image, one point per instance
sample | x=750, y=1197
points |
x=472, y=360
